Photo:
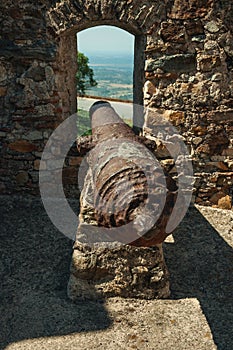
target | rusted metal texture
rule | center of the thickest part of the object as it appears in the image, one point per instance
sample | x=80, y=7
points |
x=129, y=185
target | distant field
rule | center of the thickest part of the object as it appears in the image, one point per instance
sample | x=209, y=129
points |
x=114, y=76
x=123, y=86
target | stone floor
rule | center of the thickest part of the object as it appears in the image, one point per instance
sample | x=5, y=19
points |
x=36, y=314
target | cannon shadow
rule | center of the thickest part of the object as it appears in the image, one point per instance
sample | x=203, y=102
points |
x=200, y=263
x=34, y=270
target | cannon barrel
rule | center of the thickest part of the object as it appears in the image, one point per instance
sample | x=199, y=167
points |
x=129, y=186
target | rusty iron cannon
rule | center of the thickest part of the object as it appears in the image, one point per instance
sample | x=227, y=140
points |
x=125, y=204
x=128, y=183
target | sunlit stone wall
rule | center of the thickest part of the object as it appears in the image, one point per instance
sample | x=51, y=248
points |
x=187, y=50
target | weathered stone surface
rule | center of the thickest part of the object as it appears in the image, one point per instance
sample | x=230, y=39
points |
x=194, y=27
x=220, y=116
x=3, y=91
x=197, y=140
x=70, y=175
x=3, y=73
x=73, y=161
x=173, y=63
x=228, y=152
x=219, y=165
x=172, y=32
x=213, y=26
x=188, y=50
x=34, y=135
x=215, y=197
x=124, y=271
x=149, y=89
x=225, y=202
x=176, y=117
x=190, y=9
x=22, y=146
x=207, y=63
x=39, y=164
x=22, y=178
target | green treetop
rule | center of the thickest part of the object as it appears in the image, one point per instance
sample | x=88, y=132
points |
x=85, y=75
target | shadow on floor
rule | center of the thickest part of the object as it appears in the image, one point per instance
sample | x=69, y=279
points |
x=200, y=263
x=34, y=270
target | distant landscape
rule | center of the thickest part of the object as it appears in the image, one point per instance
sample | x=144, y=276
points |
x=114, y=75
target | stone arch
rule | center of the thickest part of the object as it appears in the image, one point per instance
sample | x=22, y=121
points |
x=134, y=16
x=68, y=18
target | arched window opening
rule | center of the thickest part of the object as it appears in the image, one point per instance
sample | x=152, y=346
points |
x=110, y=51
x=116, y=58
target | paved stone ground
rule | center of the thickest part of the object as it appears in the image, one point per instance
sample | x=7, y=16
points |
x=36, y=314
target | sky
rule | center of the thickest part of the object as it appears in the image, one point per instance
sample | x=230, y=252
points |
x=105, y=39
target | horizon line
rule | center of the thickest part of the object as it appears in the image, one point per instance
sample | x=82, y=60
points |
x=107, y=52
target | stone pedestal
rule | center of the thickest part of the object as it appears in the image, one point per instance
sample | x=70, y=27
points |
x=123, y=270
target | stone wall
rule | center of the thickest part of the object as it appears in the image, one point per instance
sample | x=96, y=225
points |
x=188, y=53
x=37, y=91
x=189, y=58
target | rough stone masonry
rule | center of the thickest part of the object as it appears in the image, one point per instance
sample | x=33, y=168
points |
x=186, y=48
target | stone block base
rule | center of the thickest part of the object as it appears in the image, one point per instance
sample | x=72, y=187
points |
x=122, y=270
